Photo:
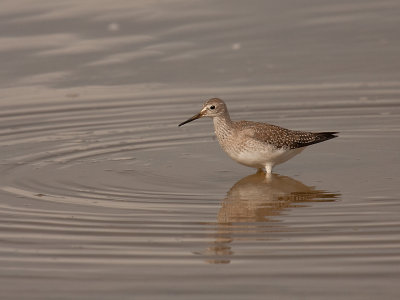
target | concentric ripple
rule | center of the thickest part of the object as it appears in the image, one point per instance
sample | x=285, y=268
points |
x=125, y=149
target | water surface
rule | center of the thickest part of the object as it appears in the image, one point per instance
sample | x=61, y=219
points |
x=103, y=196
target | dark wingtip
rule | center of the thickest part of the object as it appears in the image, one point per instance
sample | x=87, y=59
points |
x=328, y=135
x=317, y=137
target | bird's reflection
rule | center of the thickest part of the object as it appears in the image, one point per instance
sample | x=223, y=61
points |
x=247, y=211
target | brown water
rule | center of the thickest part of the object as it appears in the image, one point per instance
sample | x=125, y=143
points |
x=102, y=196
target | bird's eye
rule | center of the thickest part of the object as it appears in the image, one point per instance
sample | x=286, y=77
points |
x=212, y=107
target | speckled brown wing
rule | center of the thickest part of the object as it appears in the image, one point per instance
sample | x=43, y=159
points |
x=282, y=137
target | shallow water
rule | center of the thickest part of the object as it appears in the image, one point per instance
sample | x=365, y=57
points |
x=103, y=196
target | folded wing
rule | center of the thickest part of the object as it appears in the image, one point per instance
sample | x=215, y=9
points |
x=281, y=137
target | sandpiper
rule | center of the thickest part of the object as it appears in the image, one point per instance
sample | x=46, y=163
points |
x=255, y=144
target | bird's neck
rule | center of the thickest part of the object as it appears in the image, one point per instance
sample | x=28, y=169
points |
x=223, y=125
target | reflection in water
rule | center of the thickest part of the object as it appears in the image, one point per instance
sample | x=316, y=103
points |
x=246, y=211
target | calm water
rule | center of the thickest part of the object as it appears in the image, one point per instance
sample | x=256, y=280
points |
x=102, y=196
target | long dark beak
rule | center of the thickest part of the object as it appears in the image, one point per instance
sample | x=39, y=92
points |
x=195, y=117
